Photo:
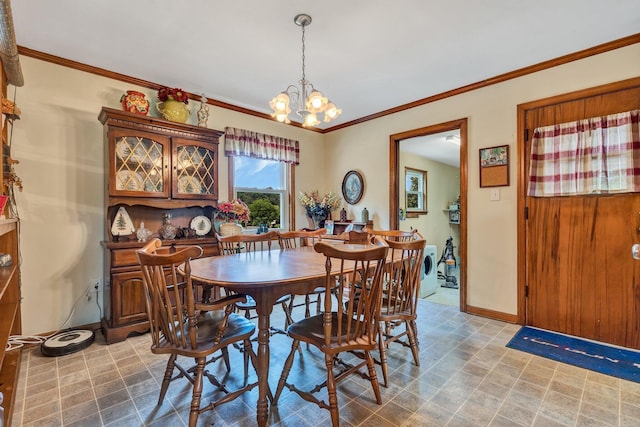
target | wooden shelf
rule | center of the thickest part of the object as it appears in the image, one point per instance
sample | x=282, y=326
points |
x=6, y=274
x=10, y=312
x=7, y=314
x=8, y=382
x=7, y=225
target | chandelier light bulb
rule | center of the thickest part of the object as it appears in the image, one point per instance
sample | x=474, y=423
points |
x=311, y=120
x=331, y=112
x=307, y=107
x=316, y=102
x=280, y=103
x=282, y=118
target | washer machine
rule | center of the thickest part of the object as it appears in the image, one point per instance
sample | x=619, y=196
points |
x=429, y=283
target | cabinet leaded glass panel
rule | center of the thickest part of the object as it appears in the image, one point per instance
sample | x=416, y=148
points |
x=138, y=165
x=195, y=170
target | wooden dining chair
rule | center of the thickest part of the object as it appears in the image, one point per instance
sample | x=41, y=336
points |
x=300, y=238
x=348, y=323
x=394, y=235
x=183, y=326
x=242, y=243
x=400, y=293
x=353, y=236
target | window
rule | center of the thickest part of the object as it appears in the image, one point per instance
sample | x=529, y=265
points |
x=263, y=186
x=415, y=190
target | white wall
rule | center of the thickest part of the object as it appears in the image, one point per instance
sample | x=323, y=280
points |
x=491, y=112
x=58, y=141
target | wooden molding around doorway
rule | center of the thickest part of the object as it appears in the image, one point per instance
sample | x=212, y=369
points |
x=394, y=180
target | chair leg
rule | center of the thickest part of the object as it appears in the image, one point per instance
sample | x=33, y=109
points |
x=171, y=363
x=197, y=392
x=285, y=371
x=307, y=304
x=318, y=302
x=245, y=352
x=225, y=357
x=288, y=319
x=373, y=377
x=382, y=347
x=413, y=342
x=414, y=325
x=332, y=391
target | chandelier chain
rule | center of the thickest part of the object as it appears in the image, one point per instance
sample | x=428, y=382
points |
x=304, y=79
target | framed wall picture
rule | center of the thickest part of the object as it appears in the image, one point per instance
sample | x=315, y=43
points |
x=494, y=166
x=415, y=191
x=352, y=187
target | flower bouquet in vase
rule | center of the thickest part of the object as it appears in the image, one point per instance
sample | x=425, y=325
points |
x=229, y=214
x=319, y=208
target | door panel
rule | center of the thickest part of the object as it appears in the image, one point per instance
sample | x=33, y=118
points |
x=581, y=277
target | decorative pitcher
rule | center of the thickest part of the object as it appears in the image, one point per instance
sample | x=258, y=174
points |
x=173, y=110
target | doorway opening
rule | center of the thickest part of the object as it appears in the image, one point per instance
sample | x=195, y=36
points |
x=445, y=186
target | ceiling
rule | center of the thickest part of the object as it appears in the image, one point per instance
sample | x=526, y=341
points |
x=441, y=147
x=366, y=56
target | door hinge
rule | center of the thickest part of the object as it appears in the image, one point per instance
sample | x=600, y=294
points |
x=526, y=135
x=526, y=212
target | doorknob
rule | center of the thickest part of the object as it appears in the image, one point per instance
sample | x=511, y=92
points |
x=635, y=251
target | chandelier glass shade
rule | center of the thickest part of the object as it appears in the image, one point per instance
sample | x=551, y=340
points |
x=308, y=101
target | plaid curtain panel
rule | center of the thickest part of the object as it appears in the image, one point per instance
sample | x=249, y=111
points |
x=240, y=142
x=591, y=156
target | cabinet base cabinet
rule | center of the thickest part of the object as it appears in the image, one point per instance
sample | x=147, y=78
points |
x=113, y=334
x=125, y=307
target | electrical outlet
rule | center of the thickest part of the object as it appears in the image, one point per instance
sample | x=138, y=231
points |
x=93, y=288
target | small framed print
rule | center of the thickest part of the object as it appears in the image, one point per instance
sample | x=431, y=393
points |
x=494, y=166
x=415, y=191
x=352, y=187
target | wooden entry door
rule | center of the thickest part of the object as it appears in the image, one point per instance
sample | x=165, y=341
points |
x=581, y=278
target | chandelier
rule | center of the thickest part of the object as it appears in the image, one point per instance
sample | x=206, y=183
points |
x=308, y=101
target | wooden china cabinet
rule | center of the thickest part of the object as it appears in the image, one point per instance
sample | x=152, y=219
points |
x=153, y=167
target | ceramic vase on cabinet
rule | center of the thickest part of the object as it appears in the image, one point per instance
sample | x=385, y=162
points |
x=173, y=110
x=135, y=102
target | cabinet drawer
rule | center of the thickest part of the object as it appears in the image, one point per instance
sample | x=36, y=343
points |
x=127, y=257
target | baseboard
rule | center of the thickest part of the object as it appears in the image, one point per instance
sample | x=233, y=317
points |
x=491, y=314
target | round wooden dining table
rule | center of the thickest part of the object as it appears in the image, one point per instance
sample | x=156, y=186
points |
x=266, y=276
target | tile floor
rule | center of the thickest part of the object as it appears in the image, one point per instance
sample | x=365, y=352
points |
x=467, y=377
x=446, y=296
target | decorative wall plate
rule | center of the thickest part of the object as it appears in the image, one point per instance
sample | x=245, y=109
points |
x=129, y=181
x=124, y=151
x=352, y=187
x=201, y=224
x=189, y=185
x=122, y=224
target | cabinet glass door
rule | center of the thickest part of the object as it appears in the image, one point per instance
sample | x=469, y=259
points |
x=139, y=165
x=194, y=175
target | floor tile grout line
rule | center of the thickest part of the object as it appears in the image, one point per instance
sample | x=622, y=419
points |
x=511, y=387
x=485, y=376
